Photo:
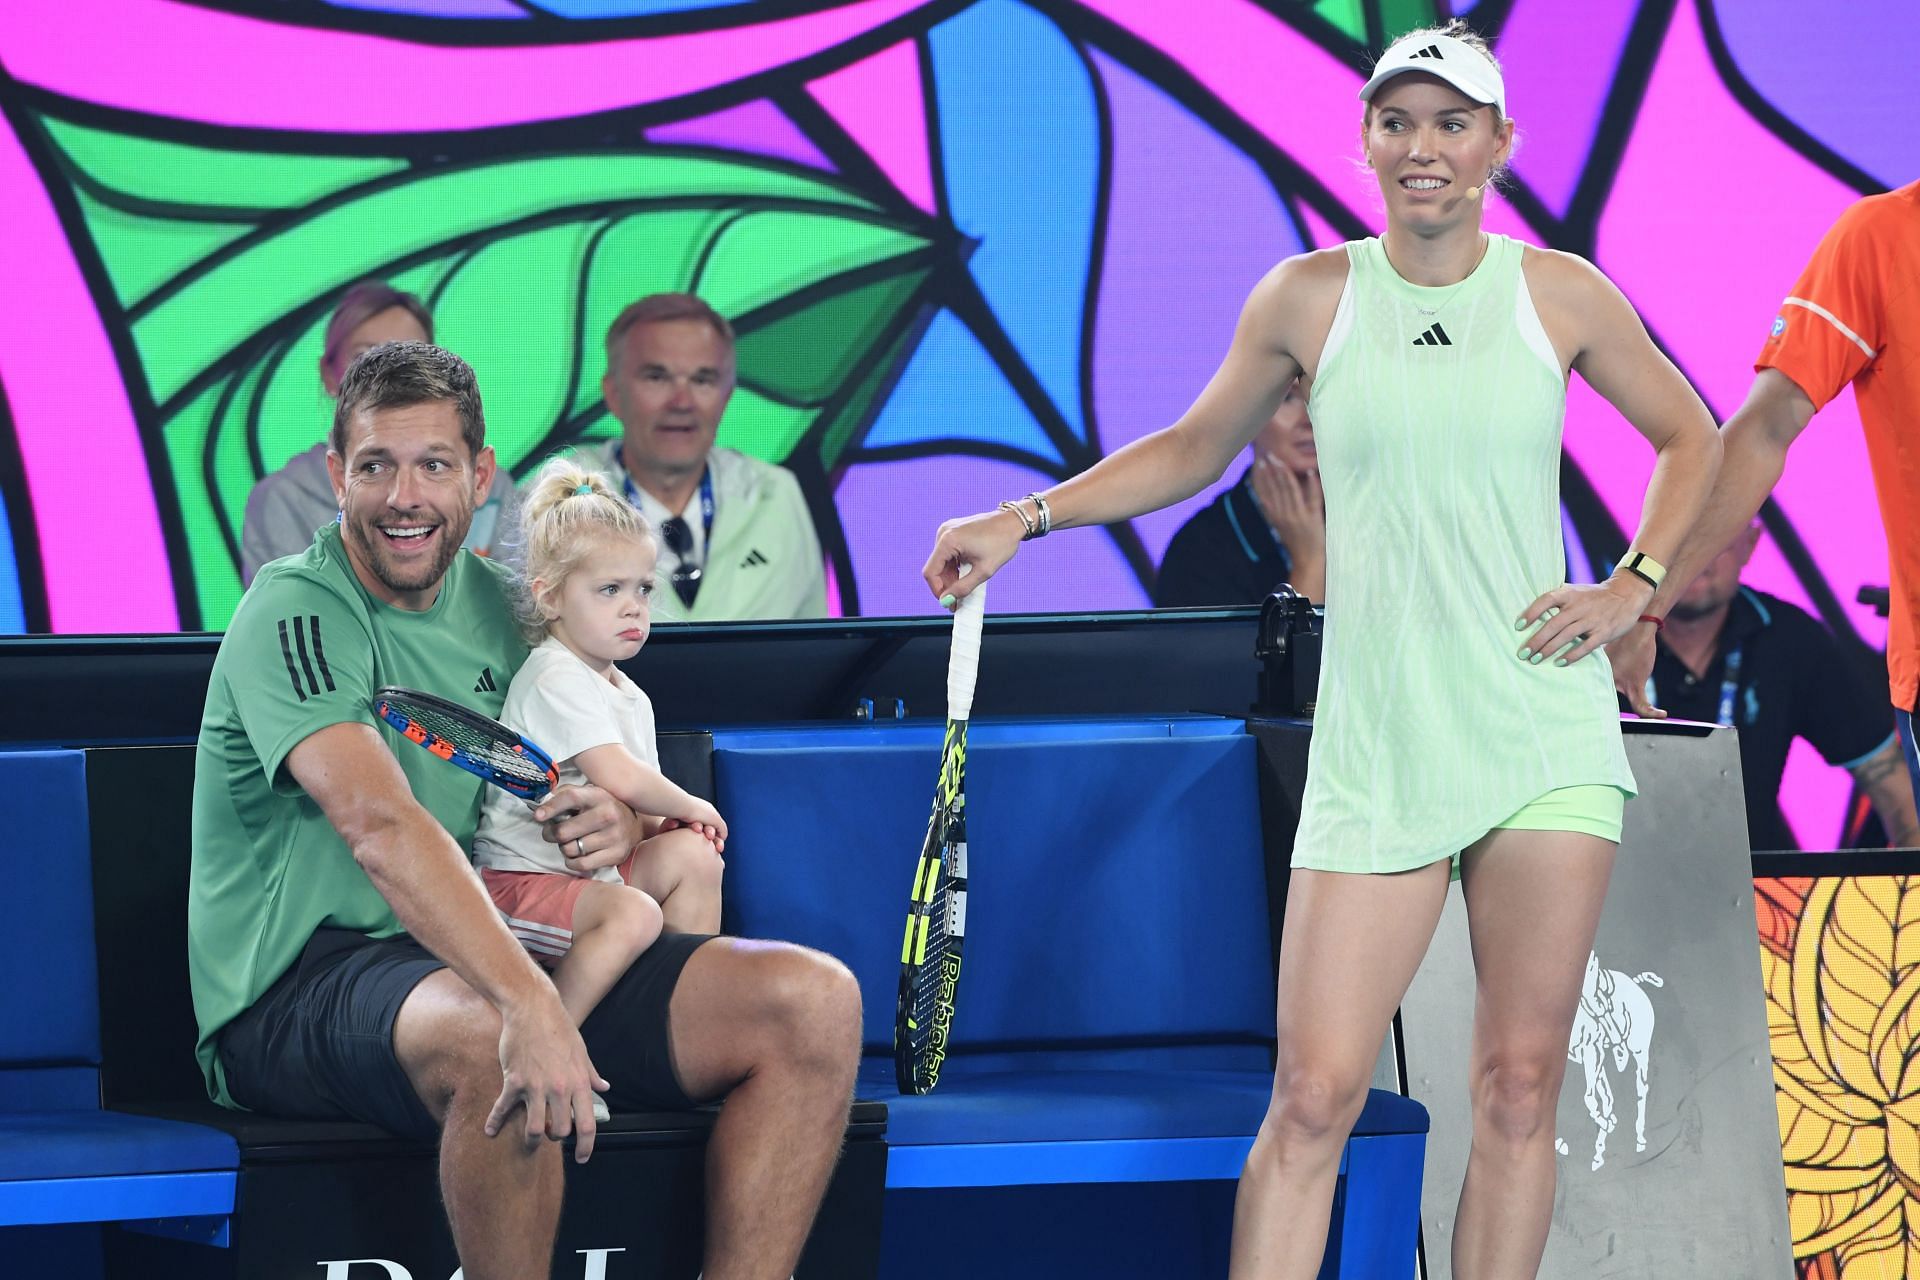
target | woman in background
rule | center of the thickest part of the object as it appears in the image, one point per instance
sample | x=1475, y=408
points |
x=287, y=507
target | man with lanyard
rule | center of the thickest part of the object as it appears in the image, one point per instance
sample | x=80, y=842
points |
x=735, y=539
x=1853, y=317
x=1734, y=656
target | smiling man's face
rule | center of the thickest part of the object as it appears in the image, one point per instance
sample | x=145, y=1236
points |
x=407, y=487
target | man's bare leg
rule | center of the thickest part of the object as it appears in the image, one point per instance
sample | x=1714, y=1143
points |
x=502, y=1194
x=776, y=1029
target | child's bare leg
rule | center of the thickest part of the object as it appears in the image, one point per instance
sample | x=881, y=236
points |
x=612, y=925
x=680, y=870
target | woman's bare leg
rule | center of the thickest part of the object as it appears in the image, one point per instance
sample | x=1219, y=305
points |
x=1533, y=904
x=1350, y=947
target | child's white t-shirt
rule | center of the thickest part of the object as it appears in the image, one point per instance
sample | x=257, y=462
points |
x=562, y=706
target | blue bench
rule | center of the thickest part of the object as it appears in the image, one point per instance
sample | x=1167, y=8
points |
x=63, y=1159
x=1115, y=1018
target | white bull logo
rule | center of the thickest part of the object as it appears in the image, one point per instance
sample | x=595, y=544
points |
x=1615, y=1016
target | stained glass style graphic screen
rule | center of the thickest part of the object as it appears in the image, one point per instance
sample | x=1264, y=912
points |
x=970, y=247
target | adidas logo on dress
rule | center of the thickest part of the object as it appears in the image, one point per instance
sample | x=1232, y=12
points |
x=1435, y=336
x=753, y=558
x=485, y=683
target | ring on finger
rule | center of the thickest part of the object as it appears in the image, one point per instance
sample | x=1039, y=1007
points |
x=580, y=846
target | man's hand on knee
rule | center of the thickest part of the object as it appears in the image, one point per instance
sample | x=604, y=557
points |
x=545, y=1069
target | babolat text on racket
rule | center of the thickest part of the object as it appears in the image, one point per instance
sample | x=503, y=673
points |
x=937, y=911
x=479, y=744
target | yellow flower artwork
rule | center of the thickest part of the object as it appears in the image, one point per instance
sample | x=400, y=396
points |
x=1841, y=961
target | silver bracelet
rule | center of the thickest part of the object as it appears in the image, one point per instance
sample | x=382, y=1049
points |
x=1025, y=524
x=1046, y=515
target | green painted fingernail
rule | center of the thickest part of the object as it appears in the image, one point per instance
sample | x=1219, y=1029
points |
x=1526, y=651
x=1535, y=659
x=1520, y=623
x=1559, y=662
x=947, y=601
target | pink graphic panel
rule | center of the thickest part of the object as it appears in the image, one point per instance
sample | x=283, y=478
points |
x=1557, y=99
x=1709, y=220
x=1293, y=91
x=101, y=549
x=226, y=69
x=881, y=105
x=1814, y=795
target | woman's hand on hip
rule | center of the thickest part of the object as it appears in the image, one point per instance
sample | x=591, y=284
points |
x=1572, y=621
x=984, y=542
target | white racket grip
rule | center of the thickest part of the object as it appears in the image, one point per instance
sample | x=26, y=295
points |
x=963, y=663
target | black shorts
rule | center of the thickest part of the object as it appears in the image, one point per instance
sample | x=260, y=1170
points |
x=318, y=1045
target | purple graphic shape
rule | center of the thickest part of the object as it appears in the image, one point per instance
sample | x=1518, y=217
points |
x=69, y=401
x=586, y=9
x=1840, y=72
x=1174, y=280
x=890, y=511
x=1707, y=257
x=880, y=102
x=485, y=9
x=757, y=128
x=219, y=68
x=1559, y=62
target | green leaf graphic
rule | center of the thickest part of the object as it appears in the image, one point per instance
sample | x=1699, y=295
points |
x=227, y=264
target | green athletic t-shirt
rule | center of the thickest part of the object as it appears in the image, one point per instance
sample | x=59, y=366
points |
x=306, y=649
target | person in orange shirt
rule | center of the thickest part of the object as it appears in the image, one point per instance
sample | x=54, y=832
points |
x=1853, y=316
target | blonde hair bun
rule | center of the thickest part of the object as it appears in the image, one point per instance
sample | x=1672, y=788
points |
x=568, y=510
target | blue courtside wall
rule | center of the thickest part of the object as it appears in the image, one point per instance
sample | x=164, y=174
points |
x=52, y=1006
x=1095, y=910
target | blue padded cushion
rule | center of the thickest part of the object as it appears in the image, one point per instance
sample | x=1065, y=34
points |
x=1117, y=890
x=54, y=1018
x=93, y=1144
x=1095, y=1105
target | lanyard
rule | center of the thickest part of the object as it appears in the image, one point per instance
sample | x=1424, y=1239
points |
x=706, y=506
x=1729, y=687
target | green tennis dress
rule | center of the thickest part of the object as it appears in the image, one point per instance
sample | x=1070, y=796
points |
x=1437, y=414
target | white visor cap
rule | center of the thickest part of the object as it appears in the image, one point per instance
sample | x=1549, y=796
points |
x=1452, y=60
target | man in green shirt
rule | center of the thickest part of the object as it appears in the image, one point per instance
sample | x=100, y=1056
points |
x=346, y=961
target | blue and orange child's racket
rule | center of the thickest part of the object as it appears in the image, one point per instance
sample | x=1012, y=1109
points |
x=479, y=744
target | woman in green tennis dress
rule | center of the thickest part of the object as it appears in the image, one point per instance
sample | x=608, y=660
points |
x=1466, y=724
